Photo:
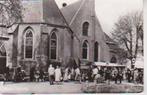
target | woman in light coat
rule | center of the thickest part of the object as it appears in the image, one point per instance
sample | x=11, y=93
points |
x=57, y=74
x=66, y=75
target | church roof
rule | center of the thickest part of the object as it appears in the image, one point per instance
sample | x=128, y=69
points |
x=109, y=40
x=38, y=11
x=111, y=43
x=70, y=10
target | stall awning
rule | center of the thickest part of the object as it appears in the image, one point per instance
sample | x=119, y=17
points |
x=108, y=64
x=139, y=63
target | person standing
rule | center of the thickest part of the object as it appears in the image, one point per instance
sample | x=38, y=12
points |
x=77, y=71
x=23, y=75
x=115, y=75
x=18, y=74
x=51, y=72
x=37, y=73
x=57, y=74
x=132, y=75
x=66, y=75
x=107, y=75
x=32, y=71
x=41, y=75
x=140, y=76
x=120, y=75
x=128, y=75
x=135, y=75
x=95, y=72
x=101, y=71
x=89, y=73
x=7, y=73
x=69, y=74
x=72, y=74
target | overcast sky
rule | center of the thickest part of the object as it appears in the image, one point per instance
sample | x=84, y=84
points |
x=108, y=11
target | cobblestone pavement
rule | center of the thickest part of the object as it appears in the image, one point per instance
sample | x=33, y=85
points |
x=45, y=87
x=40, y=87
x=112, y=88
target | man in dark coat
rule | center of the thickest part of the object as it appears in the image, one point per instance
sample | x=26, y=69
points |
x=7, y=73
x=120, y=75
x=32, y=71
x=108, y=75
x=128, y=73
x=115, y=75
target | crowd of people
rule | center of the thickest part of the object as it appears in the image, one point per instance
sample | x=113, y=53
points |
x=55, y=74
x=92, y=74
x=118, y=75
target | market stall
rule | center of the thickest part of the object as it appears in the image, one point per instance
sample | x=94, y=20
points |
x=104, y=64
x=139, y=63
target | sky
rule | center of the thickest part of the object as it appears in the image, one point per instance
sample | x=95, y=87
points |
x=108, y=11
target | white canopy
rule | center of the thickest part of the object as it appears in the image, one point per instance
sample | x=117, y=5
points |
x=139, y=63
x=108, y=64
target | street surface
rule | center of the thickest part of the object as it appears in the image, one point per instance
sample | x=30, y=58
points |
x=45, y=87
x=40, y=87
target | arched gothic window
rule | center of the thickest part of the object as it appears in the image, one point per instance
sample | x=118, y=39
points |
x=96, y=51
x=85, y=28
x=53, y=46
x=28, y=44
x=85, y=50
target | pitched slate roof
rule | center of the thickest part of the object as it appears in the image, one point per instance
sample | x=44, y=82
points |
x=70, y=10
x=42, y=11
x=111, y=43
x=52, y=14
x=109, y=40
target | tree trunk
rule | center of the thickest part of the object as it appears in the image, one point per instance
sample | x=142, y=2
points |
x=131, y=51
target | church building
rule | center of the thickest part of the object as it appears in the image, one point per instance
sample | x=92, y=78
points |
x=49, y=34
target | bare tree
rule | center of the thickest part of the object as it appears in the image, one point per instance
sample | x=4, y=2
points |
x=138, y=23
x=128, y=31
x=122, y=55
x=10, y=12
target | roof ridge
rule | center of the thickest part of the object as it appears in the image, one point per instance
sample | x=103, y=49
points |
x=61, y=13
x=74, y=16
x=71, y=4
